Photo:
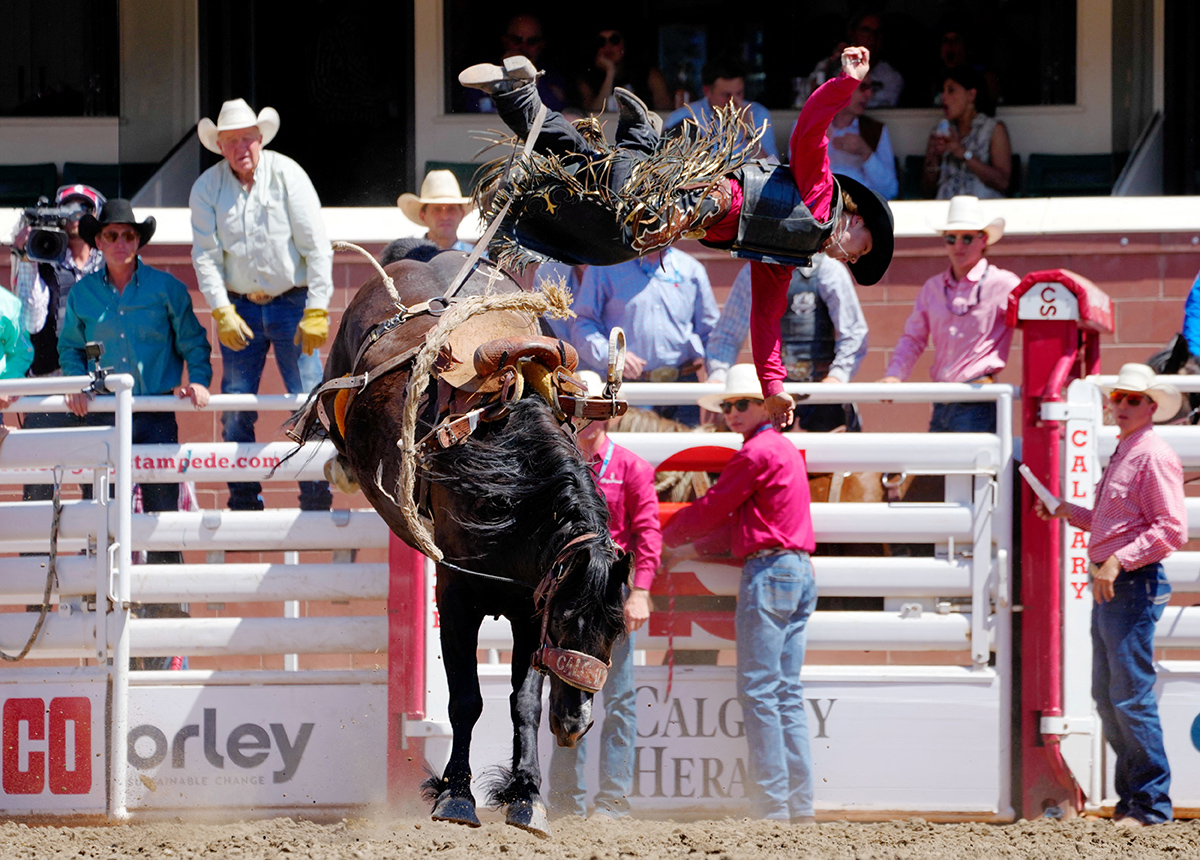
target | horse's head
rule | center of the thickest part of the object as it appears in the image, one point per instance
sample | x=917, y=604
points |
x=585, y=618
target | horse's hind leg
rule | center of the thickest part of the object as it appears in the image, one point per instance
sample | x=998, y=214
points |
x=525, y=807
x=460, y=637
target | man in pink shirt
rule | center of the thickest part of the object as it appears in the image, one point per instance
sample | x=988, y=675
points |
x=627, y=483
x=759, y=510
x=962, y=310
x=599, y=205
x=1139, y=519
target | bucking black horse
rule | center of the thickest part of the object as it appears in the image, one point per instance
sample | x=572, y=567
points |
x=515, y=512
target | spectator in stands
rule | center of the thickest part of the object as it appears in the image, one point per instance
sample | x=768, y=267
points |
x=1139, y=519
x=43, y=289
x=523, y=36
x=440, y=208
x=866, y=29
x=665, y=304
x=969, y=151
x=962, y=310
x=824, y=337
x=1191, y=318
x=613, y=67
x=144, y=318
x=627, y=483
x=860, y=147
x=724, y=83
x=954, y=54
x=759, y=510
x=265, y=267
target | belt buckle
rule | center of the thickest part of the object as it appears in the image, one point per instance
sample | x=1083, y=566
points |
x=664, y=374
x=260, y=297
x=800, y=371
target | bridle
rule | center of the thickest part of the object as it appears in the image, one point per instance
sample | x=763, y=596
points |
x=580, y=670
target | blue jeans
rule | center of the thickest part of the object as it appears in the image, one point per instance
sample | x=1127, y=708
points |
x=963, y=418
x=274, y=325
x=568, y=786
x=776, y=598
x=1123, y=687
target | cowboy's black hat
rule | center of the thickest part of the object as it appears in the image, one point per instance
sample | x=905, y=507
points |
x=116, y=211
x=877, y=216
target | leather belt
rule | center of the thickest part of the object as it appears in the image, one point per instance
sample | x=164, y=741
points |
x=776, y=550
x=261, y=297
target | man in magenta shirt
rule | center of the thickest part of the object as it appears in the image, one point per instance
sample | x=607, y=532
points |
x=759, y=510
x=1139, y=519
x=595, y=204
x=627, y=484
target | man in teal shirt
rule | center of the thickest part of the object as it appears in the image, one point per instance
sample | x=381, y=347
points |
x=144, y=318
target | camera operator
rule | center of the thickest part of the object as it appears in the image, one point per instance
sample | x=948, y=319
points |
x=42, y=286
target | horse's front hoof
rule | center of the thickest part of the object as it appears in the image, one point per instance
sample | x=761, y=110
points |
x=459, y=810
x=529, y=815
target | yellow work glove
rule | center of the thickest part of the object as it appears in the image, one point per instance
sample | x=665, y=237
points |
x=313, y=330
x=232, y=330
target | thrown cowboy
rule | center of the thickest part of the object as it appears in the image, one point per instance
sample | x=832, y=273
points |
x=577, y=200
x=265, y=267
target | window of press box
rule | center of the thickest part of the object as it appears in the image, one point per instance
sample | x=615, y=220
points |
x=59, y=59
x=1024, y=49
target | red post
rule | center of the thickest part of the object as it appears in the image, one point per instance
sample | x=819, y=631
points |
x=406, y=670
x=1056, y=351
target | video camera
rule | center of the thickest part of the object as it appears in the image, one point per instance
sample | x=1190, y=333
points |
x=47, y=229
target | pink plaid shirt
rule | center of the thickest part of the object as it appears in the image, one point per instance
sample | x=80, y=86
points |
x=965, y=319
x=1139, y=515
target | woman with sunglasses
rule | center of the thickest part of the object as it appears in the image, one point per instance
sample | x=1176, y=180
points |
x=759, y=510
x=613, y=67
x=962, y=311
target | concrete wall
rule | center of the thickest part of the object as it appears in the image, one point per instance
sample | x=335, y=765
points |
x=160, y=76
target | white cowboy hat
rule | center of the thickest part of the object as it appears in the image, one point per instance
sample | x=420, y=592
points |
x=966, y=213
x=742, y=381
x=439, y=186
x=237, y=114
x=595, y=385
x=1140, y=379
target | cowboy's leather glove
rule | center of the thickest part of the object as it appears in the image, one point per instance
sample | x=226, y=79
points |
x=313, y=330
x=232, y=330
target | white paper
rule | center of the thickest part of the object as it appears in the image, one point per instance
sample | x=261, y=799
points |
x=1048, y=498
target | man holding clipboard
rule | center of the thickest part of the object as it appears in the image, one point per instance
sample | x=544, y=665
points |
x=1139, y=519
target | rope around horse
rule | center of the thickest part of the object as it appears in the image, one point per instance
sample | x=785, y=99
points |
x=387, y=279
x=551, y=299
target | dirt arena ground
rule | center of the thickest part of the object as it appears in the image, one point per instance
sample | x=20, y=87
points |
x=366, y=839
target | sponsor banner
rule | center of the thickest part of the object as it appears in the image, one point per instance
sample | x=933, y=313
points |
x=898, y=744
x=1179, y=710
x=53, y=747
x=243, y=747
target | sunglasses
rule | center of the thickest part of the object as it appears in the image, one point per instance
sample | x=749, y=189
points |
x=742, y=405
x=528, y=41
x=118, y=235
x=952, y=238
x=1134, y=400
x=613, y=39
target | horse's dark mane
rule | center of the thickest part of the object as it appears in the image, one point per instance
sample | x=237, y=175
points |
x=509, y=477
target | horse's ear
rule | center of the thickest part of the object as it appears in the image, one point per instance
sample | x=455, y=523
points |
x=621, y=573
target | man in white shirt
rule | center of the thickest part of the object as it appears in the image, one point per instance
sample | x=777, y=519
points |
x=265, y=267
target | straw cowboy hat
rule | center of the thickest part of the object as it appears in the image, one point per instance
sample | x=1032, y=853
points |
x=115, y=211
x=966, y=214
x=1139, y=378
x=237, y=114
x=439, y=186
x=742, y=381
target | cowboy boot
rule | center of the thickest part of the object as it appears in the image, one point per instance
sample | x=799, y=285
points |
x=638, y=127
x=493, y=79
